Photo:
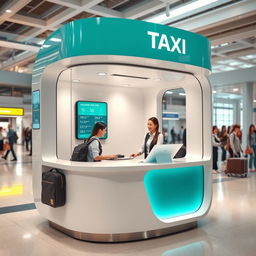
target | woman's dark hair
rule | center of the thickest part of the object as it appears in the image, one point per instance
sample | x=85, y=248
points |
x=252, y=125
x=155, y=122
x=214, y=127
x=229, y=129
x=235, y=126
x=223, y=128
x=98, y=126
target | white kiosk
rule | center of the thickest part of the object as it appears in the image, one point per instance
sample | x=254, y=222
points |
x=125, y=67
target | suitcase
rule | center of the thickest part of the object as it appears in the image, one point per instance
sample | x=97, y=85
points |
x=237, y=167
x=53, y=188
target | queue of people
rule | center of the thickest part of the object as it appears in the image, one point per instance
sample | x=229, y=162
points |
x=230, y=141
x=9, y=137
x=7, y=143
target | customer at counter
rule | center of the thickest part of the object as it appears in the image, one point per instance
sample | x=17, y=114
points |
x=95, y=148
x=152, y=138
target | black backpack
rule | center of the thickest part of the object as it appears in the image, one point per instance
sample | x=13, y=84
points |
x=80, y=151
x=53, y=188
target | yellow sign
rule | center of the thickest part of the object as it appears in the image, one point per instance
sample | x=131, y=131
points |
x=11, y=112
x=11, y=191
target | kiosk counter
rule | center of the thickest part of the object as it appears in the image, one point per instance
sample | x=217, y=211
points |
x=121, y=69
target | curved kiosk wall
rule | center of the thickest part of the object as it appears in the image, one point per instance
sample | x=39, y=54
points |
x=125, y=200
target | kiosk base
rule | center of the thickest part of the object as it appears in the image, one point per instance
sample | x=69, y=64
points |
x=123, y=237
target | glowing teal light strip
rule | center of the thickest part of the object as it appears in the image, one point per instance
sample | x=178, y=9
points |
x=175, y=192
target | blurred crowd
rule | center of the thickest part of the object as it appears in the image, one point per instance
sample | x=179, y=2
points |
x=9, y=137
x=229, y=140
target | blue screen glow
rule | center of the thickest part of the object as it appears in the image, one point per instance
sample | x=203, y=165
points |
x=87, y=114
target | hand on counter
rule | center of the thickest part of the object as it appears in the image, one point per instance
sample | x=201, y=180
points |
x=135, y=154
x=106, y=157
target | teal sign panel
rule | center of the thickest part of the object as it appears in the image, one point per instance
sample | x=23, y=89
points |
x=87, y=114
x=36, y=109
x=123, y=37
x=176, y=191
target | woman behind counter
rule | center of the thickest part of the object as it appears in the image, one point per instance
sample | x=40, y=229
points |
x=152, y=138
x=95, y=147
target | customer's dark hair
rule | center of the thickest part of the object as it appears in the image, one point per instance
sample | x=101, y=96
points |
x=155, y=122
x=98, y=126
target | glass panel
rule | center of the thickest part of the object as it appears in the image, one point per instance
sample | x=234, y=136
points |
x=174, y=116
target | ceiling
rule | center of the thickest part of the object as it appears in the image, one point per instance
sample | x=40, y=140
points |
x=228, y=92
x=229, y=24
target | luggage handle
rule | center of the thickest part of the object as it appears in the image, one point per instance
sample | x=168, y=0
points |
x=57, y=171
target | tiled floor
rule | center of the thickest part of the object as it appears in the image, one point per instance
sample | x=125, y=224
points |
x=15, y=179
x=228, y=230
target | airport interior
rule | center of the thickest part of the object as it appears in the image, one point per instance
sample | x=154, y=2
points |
x=128, y=127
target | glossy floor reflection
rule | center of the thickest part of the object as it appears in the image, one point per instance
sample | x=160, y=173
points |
x=228, y=230
x=15, y=179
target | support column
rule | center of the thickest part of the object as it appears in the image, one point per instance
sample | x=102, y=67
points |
x=247, y=110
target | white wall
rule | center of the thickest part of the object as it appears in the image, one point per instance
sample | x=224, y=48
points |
x=126, y=117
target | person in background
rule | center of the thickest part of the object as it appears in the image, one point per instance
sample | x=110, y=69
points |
x=152, y=138
x=180, y=134
x=215, y=144
x=229, y=130
x=23, y=135
x=224, y=139
x=235, y=142
x=240, y=135
x=95, y=147
x=227, y=147
x=27, y=137
x=30, y=139
x=251, y=142
x=165, y=135
x=173, y=136
x=11, y=139
x=1, y=141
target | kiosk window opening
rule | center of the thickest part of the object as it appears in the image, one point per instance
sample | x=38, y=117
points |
x=174, y=118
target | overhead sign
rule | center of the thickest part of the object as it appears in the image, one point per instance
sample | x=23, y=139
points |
x=171, y=116
x=11, y=112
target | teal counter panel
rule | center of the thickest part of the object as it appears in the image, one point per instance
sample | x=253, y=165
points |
x=175, y=192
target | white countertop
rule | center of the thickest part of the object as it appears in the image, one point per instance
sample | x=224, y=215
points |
x=118, y=165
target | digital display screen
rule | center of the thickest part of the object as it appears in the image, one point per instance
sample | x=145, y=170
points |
x=36, y=109
x=87, y=114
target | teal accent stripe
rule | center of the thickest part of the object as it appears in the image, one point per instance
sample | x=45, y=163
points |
x=17, y=208
x=123, y=37
x=175, y=192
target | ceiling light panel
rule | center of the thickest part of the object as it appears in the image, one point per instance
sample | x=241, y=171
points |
x=236, y=63
x=225, y=61
x=228, y=68
x=188, y=8
x=247, y=66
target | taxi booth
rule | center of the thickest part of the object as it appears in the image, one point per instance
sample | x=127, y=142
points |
x=117, y=71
